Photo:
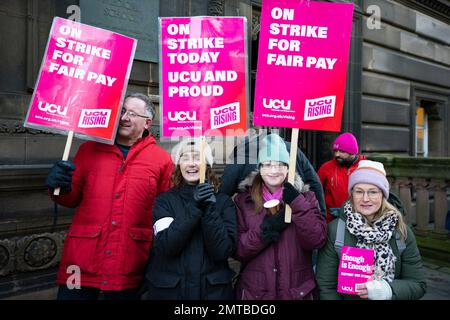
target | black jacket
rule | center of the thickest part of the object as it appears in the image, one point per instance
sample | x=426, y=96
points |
x=245, y=160
x=189, y=259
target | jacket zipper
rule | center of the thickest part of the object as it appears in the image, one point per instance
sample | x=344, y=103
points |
x=121, y=166
x=276, y=271
x=124, y=159
x=335, y=177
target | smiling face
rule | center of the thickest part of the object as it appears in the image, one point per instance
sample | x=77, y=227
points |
x=190, y=166
x=133, y=121
x=367, y=199
x=273, y=174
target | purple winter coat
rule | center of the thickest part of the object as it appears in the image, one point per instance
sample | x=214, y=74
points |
x=282, y=269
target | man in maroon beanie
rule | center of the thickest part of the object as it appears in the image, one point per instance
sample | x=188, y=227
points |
x=334, y=174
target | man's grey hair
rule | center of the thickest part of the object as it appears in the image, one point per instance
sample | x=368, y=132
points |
x=149, y=106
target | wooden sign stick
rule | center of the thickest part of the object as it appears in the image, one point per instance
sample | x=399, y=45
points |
x=65, y=155
x=292, y=166
x=202, y=159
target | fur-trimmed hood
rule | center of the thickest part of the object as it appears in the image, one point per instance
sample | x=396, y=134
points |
x=248, y=182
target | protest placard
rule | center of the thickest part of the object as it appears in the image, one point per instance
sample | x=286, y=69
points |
x=355, y=267
x=82, y=81
x=302, y=63
x=203, y=76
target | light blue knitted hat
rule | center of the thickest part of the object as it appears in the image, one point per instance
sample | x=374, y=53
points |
x=273, y=148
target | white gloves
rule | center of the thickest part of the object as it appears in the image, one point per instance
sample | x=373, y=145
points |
x=379, y=290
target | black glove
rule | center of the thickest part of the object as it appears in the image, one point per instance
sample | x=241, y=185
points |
x=269, y=236
x=272, y=226
x=60, y=176
x=204, y=194
x=289, y=193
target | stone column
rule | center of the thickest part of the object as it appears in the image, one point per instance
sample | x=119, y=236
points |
x=422, y=206
x=404, y=185
x=440, y=208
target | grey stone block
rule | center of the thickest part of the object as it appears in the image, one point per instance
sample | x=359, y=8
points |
x=384, y=111
x=415, y=45
x=386, y=35
x=13, y=149
x=48, y=148
x=432, y=28
x=400, y=65
x=379, y=139
x=385, y=86
x=14, y=106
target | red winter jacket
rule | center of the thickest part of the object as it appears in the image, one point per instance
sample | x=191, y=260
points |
x=334, y=179
x=111, y=231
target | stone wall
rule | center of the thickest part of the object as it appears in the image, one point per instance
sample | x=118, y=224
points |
x=405, y=63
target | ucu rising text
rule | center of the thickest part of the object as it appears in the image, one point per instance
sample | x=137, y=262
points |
x=225, y=115
x=319, y=108
x=94, y=118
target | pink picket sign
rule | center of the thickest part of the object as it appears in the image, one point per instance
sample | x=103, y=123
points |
x=203, y=76
x=82, y=81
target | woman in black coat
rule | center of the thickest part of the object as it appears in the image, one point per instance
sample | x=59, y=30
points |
x=194, y=234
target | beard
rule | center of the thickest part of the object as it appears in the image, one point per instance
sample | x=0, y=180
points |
x=345, y=162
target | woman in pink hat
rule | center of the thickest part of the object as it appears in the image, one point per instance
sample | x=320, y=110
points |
x=368, y=221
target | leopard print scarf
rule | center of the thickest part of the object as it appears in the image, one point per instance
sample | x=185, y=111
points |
x=374, y=237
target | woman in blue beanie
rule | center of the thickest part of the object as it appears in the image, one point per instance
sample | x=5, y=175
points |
x=276, y=256
x=367, y=220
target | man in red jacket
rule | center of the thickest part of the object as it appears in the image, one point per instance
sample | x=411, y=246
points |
x=113, y=188
x=334, y=174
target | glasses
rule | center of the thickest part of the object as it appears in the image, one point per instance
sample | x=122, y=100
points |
x=131, y=114
x=277, y=166
x=187, y=157
x=372, y=194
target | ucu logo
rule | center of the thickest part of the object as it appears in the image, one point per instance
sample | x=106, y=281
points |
x=277, y=104
x=182, y=115
x=52, y=108
x=224, y=110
